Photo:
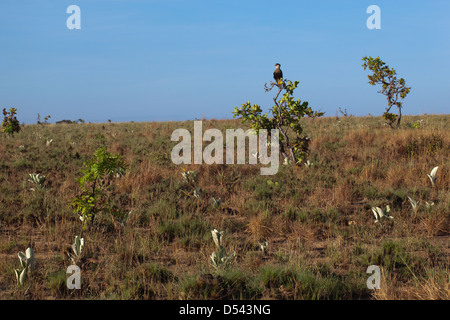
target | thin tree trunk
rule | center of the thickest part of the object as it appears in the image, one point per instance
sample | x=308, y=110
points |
x=399, y=115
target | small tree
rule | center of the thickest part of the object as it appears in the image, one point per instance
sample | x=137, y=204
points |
x=286, y=115
x=10, y=124
x=96, y=177
x=45, y=119
x=393, y=88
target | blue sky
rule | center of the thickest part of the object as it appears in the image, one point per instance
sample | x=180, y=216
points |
x=158, y=60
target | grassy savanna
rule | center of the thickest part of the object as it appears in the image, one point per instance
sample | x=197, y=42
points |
x=317, y=220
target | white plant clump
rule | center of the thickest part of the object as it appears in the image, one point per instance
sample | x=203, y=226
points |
x=27, y=262
x=197, y=192
x=414, y=204
x=216, y=203
x=432, y=175
x=37, y=178
x=308, y=163
x=189, y=176
x=380, y=213
x=77, y=248
x=217, y=237
x=429, y=205
x=263, y=246
x=220, y=259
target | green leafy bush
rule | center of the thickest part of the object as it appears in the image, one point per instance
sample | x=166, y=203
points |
x=286, y=116
x=10, y=124
x=97, y=174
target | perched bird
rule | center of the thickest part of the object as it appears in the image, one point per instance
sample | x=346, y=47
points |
x=278, y=74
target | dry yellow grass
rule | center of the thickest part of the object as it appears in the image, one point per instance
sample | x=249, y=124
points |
x=317, y=220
